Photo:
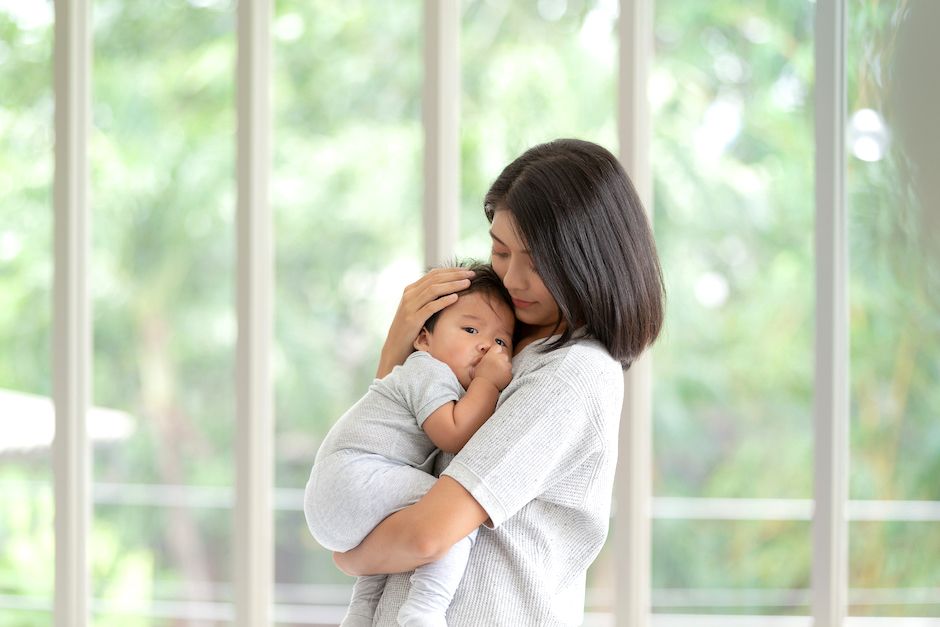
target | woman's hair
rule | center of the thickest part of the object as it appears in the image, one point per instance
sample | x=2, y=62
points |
x=584, y=225
x=485, y=281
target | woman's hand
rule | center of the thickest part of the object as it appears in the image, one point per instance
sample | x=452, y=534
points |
x=420, y=300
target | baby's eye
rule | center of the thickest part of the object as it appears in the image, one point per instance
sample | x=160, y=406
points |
x=469, y=329
x=501, y=343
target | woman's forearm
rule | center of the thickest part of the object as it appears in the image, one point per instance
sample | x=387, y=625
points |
x=392, y=547
x=416, y=535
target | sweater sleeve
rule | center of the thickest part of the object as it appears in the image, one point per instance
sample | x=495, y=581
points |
x=542, y=430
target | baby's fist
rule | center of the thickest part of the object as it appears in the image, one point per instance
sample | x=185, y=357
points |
x=496, y=366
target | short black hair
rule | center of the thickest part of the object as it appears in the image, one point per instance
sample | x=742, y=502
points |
x=591, y=242
x=486, y=281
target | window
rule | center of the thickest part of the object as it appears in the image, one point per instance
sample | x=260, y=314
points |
x=347, y=202
x=26, y=261
x=895, y=310
x=733, y=375
x=732, y=94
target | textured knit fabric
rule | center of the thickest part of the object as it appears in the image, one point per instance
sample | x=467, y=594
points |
x=350, y=492
x=375, y=461
x=387, y=420
x=542, y=467
x=376, y=458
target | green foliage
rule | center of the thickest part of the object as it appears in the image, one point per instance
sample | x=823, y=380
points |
x=734, y=196
x=526, y=79
x=26, y=108
x=734, y=222
x=895, y=304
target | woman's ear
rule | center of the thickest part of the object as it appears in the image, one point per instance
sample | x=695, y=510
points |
x=423, y=341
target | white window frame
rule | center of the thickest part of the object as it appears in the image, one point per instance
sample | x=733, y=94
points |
x=441, y=121
x=72, y=311
x=633, y=487
x=254, y=441
x=829, y=577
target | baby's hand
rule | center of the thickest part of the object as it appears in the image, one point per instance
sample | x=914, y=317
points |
x=496, y=367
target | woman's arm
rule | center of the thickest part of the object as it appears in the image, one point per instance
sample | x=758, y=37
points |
x=416, y=535
x=420, y=301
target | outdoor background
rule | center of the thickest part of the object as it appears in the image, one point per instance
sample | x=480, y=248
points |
x=733, y=161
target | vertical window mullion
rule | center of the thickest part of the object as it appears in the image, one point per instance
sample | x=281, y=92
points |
x=831, y=403
x=254, y=525
x=72, y=312
x=633, y=483
x=441, y=120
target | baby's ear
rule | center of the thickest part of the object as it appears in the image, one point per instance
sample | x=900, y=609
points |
x=423, y=341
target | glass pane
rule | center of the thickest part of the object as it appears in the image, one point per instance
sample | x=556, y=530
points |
x=347, y=193
x=531, y=72
x=894, y=226
x=733, y=372
x=27, y=421
x=769, y=574
x=163, y=191
x=893, y=570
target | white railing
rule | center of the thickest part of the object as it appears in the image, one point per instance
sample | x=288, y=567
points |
x=325, y=604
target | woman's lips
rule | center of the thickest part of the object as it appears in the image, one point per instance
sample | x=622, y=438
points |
x=522, y=304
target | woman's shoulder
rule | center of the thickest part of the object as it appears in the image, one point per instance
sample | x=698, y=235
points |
x=420, y=372
x=583, y=360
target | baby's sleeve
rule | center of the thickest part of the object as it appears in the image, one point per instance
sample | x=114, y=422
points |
x=428, y=384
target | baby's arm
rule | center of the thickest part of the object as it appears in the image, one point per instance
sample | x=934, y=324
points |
x=452, y=425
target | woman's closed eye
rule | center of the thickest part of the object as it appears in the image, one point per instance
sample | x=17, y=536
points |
x=502, y=255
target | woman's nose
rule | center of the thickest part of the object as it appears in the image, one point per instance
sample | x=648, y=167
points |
x=513, y=278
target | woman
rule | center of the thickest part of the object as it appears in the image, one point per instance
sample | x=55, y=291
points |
x=573, y=246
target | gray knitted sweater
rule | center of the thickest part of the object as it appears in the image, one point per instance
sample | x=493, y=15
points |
x=542, y=467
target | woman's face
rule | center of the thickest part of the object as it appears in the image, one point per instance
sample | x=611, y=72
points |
x=534, y=305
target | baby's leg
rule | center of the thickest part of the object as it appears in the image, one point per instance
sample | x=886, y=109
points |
x=365, y=598
x=433, y=587
x=350, y=492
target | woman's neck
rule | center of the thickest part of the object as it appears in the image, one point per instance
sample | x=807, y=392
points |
x=530, y=334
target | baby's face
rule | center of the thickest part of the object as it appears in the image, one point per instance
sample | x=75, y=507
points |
x=466, y=330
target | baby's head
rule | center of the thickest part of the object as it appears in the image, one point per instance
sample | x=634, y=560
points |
x=460, y=334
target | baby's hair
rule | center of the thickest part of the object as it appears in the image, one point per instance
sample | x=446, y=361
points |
x=484, y=281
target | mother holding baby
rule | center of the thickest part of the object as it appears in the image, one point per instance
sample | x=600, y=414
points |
x=572, y=244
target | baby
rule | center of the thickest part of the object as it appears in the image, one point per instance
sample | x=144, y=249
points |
x=377, y=458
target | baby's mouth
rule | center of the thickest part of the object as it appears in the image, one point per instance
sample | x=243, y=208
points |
x=473, y=368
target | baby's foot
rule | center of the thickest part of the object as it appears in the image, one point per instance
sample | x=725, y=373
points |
x=413, y=614
x=356, y=620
